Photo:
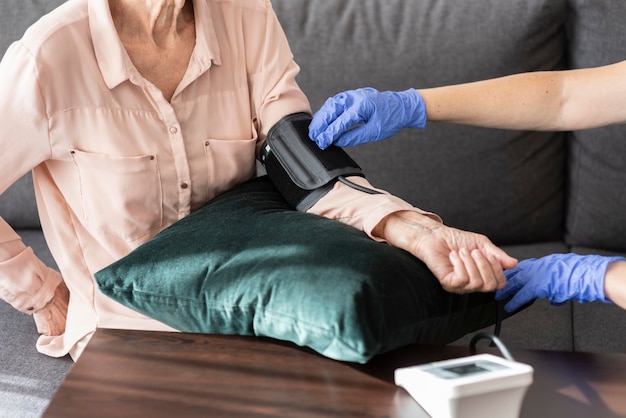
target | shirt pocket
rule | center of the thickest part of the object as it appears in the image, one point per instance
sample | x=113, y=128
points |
x=121, y=196
x=229, y=162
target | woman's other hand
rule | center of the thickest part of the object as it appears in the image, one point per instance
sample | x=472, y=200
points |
x=50, y=319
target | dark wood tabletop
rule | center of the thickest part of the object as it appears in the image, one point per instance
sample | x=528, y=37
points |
x=155, y=374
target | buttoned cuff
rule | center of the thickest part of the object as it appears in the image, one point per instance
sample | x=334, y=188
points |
x=26, y=282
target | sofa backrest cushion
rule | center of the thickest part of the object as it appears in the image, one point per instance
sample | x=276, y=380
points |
x=17, y=15
x=508, y=185
x=596, y=214
x=17, y=205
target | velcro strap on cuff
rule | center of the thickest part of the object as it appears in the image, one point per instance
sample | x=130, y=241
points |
x=306, y=164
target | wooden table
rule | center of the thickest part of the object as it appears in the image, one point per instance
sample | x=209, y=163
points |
x=153, y=374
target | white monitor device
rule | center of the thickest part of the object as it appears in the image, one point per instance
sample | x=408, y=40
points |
x=477, y=386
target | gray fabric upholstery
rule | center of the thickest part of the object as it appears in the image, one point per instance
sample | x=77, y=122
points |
x=596, y=215
x=17, y=204
x=17, y=15
x=28, y=379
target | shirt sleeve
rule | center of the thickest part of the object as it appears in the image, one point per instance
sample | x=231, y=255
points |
x=274, y=90
x=25, y=282
x=362, y=210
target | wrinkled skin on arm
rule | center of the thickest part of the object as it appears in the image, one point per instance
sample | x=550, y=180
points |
x=462, y=261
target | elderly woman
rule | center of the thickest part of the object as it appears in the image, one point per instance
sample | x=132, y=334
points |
x=134, y=113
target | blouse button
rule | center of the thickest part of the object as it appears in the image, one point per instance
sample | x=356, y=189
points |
x=183, y=185
x=173, y=129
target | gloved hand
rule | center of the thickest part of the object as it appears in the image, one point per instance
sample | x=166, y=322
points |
x=558, y=278
x=364, y=115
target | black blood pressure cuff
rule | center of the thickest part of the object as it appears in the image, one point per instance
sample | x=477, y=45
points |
x=301, y=171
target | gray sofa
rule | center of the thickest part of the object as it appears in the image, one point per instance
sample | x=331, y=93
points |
x=532, y=193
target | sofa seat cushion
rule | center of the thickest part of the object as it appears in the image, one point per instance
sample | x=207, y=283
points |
x=247, y=264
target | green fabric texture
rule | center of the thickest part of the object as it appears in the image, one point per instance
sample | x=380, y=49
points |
x=247, y=264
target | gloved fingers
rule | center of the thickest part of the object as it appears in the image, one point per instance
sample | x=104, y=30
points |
x=520, y=287
x=520, y=299
x=527, y=291
x=513, y=283
x=516, y=278
x=317, y=126
x=355, y=135
x=330, y=126
x=340, y=113
x=327, y=113
x=321, y=121
x=334, y=106
x=348, y=129
x=525, y=284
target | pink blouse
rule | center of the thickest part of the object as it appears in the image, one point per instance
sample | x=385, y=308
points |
x=114, y=163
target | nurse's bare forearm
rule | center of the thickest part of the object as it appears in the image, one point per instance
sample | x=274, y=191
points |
x=543, y=100
x=529, y=101
x=615, y=283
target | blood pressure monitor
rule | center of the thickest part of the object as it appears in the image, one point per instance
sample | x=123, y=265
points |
x=477, y=386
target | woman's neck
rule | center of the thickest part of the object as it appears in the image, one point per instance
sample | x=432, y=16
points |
x=159, y=37
x=154, y=21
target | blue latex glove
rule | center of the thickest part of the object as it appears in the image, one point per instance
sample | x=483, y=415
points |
x=364, y=115
x=558, y=278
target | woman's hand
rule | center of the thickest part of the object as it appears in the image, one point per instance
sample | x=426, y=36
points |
x=50, y=319
x=462, y=261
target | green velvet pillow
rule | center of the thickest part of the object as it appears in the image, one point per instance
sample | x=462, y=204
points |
x=247, y=264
